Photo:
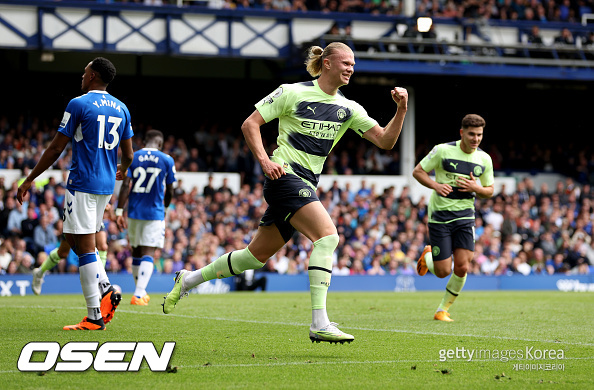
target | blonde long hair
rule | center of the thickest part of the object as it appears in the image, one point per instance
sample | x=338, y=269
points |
x=316, y=56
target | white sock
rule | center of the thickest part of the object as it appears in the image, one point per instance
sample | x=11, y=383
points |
x=319, y=318
x=145, y=271
x=89, y=278
x=193, y=279
x=104, y=283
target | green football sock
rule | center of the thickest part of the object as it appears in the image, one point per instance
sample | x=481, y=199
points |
x=320, y=270
x=52, y=260
x=103, y=257
x=453, y=288
x=429, y=262
x=232, y=263
x=320, y=273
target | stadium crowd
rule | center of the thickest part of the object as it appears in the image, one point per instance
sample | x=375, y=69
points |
x=570, y=11
x=532, y=231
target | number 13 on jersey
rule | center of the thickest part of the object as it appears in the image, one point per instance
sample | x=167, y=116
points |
x=113, y=131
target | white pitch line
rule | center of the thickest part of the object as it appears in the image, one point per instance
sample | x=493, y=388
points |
x=365, y=329
x=305, y=363
x=304, y=324
x=435, y=361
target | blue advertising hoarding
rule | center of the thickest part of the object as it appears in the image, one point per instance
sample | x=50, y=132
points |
x=20, y=284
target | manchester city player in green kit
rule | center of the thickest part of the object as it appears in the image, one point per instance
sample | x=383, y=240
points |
x=457, y=165
x=312, y=117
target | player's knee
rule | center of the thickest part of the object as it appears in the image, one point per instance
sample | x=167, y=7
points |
x=262, y=253
x=329, y=242
x=461, y=269
x=443, y=268
x=442, y=273
x=63, y=252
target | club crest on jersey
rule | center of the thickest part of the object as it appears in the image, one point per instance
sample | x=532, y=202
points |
x=435, y=251
x=305, y=192
x=478, y=170
x=341, y=114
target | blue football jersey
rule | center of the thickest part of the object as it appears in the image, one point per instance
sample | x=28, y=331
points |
x=96, y=123
x=151, y=171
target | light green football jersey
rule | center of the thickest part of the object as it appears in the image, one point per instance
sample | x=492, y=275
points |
x=310, y=123
x=450, y=162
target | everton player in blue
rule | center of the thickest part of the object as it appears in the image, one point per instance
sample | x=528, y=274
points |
x=96, y=123
x=148, y=188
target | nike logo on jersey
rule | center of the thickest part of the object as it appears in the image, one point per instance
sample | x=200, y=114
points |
x=312, y=109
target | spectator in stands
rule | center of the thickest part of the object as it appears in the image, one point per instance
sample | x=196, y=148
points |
x=244, y=4
x=519, y=264
x=529, y=15
x=15, y=218
x=565, y=11
x=547, y=244
x=299, y=6
x=407, y=265
x=565, y=37
x=25, y=262
x=28, y=224
x=194, y=163
x=556, y=264
x=5, y=257
x=357, y=267
x=209, y=189
x=7, y=206
x=534, y=37
x=342, y=267
x=376, y=266
x=49, y=203
x=224, y=188
x=541, y=13
x=490, y=264
x=545, y=241
x=13, y=268
x=588, y=40
x=495, y=217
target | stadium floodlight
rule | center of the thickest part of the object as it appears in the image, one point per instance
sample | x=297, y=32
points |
x=424, y=24
x=47, y=56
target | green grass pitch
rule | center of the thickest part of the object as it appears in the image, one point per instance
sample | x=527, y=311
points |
x=260, y=341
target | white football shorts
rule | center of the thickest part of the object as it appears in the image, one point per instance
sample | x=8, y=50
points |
x=83, y=212
x=146, y=233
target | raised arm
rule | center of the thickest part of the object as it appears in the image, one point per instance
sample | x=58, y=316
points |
x=386, y=137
